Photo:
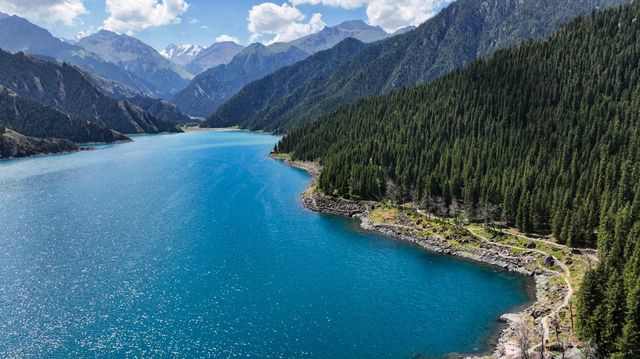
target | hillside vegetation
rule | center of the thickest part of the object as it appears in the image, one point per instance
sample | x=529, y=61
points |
x=546, y=134
x=34, y=120
x=460, y=33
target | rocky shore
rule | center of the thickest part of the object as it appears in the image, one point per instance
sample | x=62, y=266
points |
x=525, y=263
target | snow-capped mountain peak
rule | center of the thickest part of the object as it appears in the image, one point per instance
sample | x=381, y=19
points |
x=181, y=54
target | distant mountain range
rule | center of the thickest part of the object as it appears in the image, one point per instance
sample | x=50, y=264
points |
x=213, y=87
x=331, y=36
x=138, y=58
x=67, y=89
x=18, y=34
x=181, y=54
x=460, y=33
x=253, y=102
x=220, y=53
x=209, y=90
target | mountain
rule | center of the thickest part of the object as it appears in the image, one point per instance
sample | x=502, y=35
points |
x=35, y=120
x=460, y=33
x=330, y=36
x=181, y=54
x=247, y=107
x=14, y=144
x=161, y=109
x=18, y=34
x=70, y=90
x=138, y=58
x=158, y=108
x=404, y=30
x=213, y=87
x=220, y=53
x=548, y=132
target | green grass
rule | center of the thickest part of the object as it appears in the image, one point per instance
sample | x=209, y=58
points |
x=282, y=156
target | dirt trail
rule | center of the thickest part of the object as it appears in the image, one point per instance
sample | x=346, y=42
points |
x=566, y=275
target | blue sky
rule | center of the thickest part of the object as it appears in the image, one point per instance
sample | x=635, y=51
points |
x=160, y=22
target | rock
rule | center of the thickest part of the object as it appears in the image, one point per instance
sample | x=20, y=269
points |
x=530, y=245
x=539, y=312
x=556, y=347
x=568, y=261
x=548, y=261
x=574, y=353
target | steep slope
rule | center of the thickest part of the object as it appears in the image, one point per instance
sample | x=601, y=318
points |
x=138, y=58
x=220, y=53
x=213, y=87
x=160, y=108
x=463, y=31
x=181, y=54
x=18, y=34
x=14, y=144
x=32, y=119
x=541, y=107
x=547, y=132
x=69, y=90
x=247, y=107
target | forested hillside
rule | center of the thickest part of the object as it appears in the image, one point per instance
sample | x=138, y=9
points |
x=32, y=119
x=547, y=132
x=159, y=108
x=70, y=90
x=460, y=33
x=249, y=106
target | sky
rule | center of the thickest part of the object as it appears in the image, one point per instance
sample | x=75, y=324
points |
x=203, y=22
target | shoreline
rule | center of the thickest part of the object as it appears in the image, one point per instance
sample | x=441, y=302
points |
x=504, y=344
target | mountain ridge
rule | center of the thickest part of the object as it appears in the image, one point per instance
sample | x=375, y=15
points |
x=461, y=32
x=138, y=58
x=70, y=90
x=219, y=53
x=18, y=34
x=211, y=88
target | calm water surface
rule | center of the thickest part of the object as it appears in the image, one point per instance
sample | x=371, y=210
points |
x=196, y=245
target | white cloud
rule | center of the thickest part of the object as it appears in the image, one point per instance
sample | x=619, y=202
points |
x=282, y=22
x=52, y=11
x=129, y=16
x=225, y=38
x=391, y=15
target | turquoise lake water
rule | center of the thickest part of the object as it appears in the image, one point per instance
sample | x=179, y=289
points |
x=196, y=245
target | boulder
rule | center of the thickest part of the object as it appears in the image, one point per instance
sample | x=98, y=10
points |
x=548, y=261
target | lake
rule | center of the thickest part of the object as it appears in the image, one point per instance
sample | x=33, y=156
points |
x=197, y=245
